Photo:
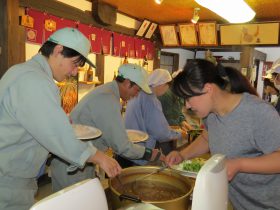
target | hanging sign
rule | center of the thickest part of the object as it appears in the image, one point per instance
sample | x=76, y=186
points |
x=27, y=21
x=117, y=44
x=120, y=47
x=105, y=41
x=50, y=25
x=250, y=34
x=53, y=23
x=150, y=51
x=94, y=36
x=130, y=46
x=35, y=34
x=31, y=35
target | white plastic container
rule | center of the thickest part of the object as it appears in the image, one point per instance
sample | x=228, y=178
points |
x=211, y=185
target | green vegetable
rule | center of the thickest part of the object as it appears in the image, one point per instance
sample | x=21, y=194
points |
x=195, y=133
x=193, y=165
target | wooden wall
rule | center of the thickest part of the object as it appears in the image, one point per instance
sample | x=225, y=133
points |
x=12, y=35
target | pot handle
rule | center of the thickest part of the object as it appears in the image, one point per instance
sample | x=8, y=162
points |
x=130, y=197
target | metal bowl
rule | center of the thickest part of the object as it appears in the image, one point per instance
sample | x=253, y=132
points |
x=168, y=181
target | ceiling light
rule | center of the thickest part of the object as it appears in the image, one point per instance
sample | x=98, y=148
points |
x=195, y=15
x=158, y=1
x=234, y=11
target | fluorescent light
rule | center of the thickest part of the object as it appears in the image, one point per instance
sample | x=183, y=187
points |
x=195, y=19
x=158, y=1
x=234, y=11
x=195, y=15
x=81, y=5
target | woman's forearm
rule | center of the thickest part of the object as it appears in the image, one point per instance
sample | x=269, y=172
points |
x=199, y=147
x=265, y=164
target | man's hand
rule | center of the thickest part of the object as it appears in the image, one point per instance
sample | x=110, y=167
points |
x=174, y=157
x=108, y=164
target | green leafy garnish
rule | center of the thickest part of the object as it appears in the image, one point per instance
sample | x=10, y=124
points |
x=193, y=165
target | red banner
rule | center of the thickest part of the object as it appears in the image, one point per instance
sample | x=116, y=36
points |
x=105, y=41
x=58, y=22
x=140, y=48
x=45, y=25
x=117, y=42
x=150, y=50
x=130, y=46
x=94, y=36
x=137, y=47
x=120, y=43
x=35, y=34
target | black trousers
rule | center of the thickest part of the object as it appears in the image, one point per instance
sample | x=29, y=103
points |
x=124, y=163
x=166, y=147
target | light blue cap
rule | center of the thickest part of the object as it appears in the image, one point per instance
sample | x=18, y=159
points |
x=73, y=39
x=136, y=74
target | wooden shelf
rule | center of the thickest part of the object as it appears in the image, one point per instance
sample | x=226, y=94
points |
x=230, y=61
x=90, y=83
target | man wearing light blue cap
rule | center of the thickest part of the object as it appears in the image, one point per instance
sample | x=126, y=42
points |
x=32, y=122
x=144, y=113
x=101, y=108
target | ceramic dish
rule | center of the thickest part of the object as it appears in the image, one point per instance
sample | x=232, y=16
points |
x=136, y=136
x=189, y=173
x=84, y=132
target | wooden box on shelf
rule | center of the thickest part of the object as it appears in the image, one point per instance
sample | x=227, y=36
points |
x=90, y=82
x=87, y=77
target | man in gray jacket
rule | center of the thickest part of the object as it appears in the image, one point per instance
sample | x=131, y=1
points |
x=32, y=122
x=101, y=108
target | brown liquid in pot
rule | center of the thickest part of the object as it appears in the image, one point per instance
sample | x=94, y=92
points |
x=151, y=190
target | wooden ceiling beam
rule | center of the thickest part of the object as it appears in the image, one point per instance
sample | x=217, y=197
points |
x=211, y=48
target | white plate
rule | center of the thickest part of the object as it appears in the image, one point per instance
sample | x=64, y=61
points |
x=136, y=135
x=180, y=169
x=183, y=172
x=84, y=132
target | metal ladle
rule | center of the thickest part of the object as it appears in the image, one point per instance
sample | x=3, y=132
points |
x=153, y=172
x=136, y=181
x=120, y=182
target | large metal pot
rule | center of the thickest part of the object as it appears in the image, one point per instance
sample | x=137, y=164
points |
x=174, y=188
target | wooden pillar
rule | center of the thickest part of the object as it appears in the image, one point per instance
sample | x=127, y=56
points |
x=246, y=57
x=156, y=58
x=156, y=39
x=12, y=36
x=100, y=62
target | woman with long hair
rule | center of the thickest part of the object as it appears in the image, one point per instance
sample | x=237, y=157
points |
x=239, y=125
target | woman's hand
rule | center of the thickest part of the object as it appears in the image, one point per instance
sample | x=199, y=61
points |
x=173, y=157
x=108, y=164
